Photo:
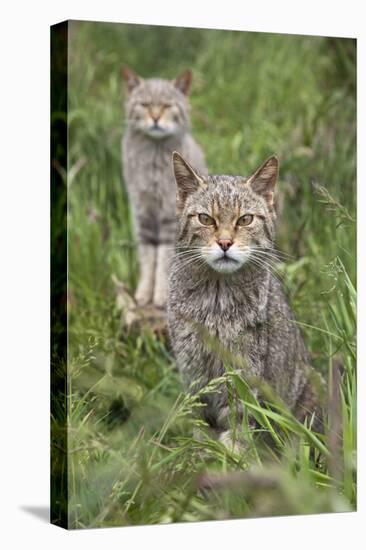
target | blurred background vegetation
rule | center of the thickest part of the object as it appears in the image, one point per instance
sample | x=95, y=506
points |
x=132, y=457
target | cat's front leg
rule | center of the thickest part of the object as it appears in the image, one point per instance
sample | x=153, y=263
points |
x=147, y=261
x=230, y=429
x=164, y=253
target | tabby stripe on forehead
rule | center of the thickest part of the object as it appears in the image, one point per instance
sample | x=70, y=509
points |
x=218, y=204
x=237, y=205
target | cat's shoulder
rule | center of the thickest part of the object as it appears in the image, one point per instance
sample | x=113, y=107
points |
x=194, y=152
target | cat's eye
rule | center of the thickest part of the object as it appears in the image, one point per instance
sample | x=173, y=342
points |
x=245, y=220
x=145, y=104
x=205, y=219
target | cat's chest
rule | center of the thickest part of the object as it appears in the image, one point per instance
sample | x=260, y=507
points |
x=225, y=312
x=220, y=314
x=148, y=161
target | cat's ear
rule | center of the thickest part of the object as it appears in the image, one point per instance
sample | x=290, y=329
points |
x=131, y=78
x=264, y=179
x=188, y=180
x=183, y=81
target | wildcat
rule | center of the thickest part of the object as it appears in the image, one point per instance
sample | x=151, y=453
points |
x=157, y=113
x=221, y=281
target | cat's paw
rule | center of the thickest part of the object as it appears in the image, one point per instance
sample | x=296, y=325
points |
x=160, y=296
x=233, y=444
x=143, y=296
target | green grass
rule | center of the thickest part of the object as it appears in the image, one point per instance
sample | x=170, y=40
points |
x=132, y=456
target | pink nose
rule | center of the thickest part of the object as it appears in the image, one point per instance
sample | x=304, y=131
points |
x=225, y=244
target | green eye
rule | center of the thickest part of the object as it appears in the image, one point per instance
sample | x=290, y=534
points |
x=205, y=219
x=245, y=220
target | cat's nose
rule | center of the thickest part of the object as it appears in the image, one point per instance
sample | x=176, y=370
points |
x=155, y=114
x=225, y=244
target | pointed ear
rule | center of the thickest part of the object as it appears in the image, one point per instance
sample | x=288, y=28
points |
x=131, y=78
x=183, y=81
x=188, y=181
x=264, y=179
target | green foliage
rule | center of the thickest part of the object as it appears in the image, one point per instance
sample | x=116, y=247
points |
x=132, y=456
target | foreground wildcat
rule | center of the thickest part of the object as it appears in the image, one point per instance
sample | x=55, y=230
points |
x=157, y=113
x=221, y=286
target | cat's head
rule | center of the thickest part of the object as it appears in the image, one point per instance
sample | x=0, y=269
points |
x=226, y=221
x=155, y=107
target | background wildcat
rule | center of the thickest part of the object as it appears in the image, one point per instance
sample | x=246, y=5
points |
x=157, y=113
x=221, y=280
